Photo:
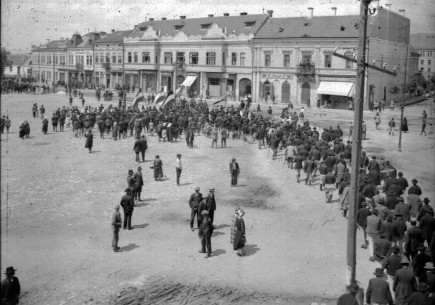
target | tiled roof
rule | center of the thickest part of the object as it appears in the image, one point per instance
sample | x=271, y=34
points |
x=246, y=24
x=116, y=37
x=423, y=41
x=18, y=59
x=316, y=27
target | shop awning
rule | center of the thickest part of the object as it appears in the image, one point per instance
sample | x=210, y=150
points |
x=336, y=88
x=189, y=81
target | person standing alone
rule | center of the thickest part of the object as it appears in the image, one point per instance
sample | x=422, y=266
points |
x=127, y=203
x=194, y=201
x=116, y=224
x=10, y=288
x=234, y=171
x=178, y=168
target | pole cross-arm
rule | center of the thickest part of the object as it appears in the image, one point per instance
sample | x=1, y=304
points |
x=366, y=64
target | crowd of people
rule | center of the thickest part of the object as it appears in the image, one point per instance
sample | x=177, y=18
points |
x=390, y=226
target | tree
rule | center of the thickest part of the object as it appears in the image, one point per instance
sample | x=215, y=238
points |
x=5, y=61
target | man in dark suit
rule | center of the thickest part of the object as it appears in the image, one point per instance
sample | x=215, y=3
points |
x=205, y=232
x=210, y=204
x=234, y=171
x=10, y=288
x=139, y=183
x=194, y=201
x=404, y=282
x=127, y=203
x=140, y=146
x=413, y=239
x=378, y=290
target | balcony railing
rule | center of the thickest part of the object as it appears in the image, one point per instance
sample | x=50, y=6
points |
x=306, y=68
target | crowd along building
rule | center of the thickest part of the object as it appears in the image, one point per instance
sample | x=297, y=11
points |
x=279, y=59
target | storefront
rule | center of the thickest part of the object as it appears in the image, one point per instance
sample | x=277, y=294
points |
x=191, y=84
x=335, y=92
x=149, y=81
x=132, y=78
x=167, y=81
x=275, y=86
x=220, y=85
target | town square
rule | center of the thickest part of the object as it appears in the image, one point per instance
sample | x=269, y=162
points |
x=208, y=159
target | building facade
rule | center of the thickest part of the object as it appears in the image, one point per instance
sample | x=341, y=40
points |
x=295, y=62
x=48, y=61
x=425, y=46
x=18, y=67
x=279, y=59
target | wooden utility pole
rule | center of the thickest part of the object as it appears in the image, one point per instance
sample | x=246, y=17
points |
x=356, y=144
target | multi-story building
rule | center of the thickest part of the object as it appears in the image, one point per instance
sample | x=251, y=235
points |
x=109, y=59
x=209, y=56
x=80, y=59
x=425, y=46
x=48, y=61
x=294, y=58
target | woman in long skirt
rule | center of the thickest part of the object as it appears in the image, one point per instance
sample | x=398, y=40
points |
x=158, y=168
x=239, y=238
x=233, y=225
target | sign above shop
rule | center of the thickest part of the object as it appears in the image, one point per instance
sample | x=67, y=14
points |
x=277, y=75
x=306, y=78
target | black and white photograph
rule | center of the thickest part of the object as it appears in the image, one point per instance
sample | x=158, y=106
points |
x=193, y=152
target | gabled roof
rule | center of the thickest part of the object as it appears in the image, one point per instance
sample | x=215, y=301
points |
x=424, y=41
x=315, y=27
x=18, y=59
x=116, y=37
x=198, y=26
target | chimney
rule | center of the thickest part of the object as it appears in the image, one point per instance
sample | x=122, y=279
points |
x=335, y=10
x=311, y=9
x=388, y=5
x=163, y=18
x=210, y=15
x=182, y=17
x=402, y=11
x=226, y=14
x=151, y=19
x=113, y=30
x=270, y=13
x=243, y=14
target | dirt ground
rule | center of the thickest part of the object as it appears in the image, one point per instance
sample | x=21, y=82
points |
x=57, y=201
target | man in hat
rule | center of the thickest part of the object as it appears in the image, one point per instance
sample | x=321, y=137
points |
x=127, y=203
x=427, y=226
x=140, y=146
x=414, y=189
x=210, y=204
x=402, y=182
x=194, y=201
x=399, y=229
x=393, y=263
x=429, y=276
x=234, y=171
x=138, y=183
x=178, y=168
x=419, y=297
x=329, y=185
x=425, y=209
x=414, y=237
x=10, y=288
x=402, y=209
x=116, y=224
x=205, y=232
x=378, y=290
x=373, y=164
x=420, y=260
x=404, y=282
x=349, y=297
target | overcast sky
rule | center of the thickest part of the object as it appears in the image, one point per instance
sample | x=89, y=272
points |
x=26, y=22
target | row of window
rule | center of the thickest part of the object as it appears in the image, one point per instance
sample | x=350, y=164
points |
x=48, y=59
x=133, y=57
x=429, y=62
x=428, y=69
x=426, y=53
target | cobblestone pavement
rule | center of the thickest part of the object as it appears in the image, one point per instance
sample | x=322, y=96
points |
x=57, y=201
